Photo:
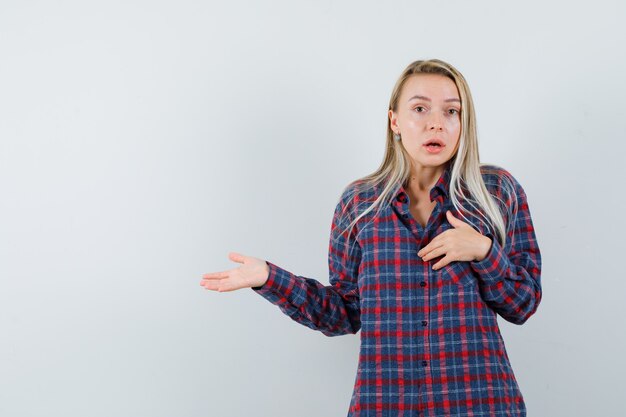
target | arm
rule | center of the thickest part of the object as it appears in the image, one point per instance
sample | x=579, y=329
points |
x=509, y=277
x=333, y=309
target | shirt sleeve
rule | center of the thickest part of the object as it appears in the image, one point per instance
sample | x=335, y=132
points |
x=332, y=309
x=510, y=277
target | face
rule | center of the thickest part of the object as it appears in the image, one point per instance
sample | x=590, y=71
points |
x=428, y=112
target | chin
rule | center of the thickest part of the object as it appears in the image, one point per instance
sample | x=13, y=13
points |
x=434, y=160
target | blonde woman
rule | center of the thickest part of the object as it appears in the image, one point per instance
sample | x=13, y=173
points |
x=424, y=254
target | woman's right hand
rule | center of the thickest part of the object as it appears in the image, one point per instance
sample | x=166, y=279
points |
x=252, y=273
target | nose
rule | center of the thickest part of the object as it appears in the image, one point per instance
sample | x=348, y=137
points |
x=435, y=122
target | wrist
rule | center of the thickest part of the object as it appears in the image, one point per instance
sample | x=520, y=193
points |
x=266, y=273
x=485, y=246
x=264, y=279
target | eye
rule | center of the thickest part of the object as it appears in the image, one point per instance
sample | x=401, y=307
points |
x=420, y=109
x=453, y=112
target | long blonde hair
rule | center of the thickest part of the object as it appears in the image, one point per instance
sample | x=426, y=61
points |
x=466, y=167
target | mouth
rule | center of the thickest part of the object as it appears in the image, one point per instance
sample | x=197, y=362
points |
x=434, y=145
x=434, y=142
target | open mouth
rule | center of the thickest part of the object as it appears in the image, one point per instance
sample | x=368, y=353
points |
x=434, y=146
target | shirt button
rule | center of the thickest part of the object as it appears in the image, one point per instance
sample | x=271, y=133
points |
x=424, y=363
x=422, y=284
x=424, y=322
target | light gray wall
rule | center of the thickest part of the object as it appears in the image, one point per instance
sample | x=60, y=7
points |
x=140, y=141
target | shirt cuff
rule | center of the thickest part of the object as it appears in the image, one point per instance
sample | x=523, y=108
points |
x=279, y=281
x=495, y=265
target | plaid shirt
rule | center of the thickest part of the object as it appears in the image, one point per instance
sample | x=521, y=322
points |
x=430, y=341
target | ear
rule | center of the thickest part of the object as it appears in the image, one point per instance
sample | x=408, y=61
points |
x=393, y=121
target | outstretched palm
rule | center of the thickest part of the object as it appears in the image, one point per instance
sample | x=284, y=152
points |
x=252, y=273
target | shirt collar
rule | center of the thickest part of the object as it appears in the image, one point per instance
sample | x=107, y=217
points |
x=440, y=188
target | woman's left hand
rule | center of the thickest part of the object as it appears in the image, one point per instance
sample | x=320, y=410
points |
x=462, y=243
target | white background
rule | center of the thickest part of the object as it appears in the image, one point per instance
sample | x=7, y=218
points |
x=141, y=141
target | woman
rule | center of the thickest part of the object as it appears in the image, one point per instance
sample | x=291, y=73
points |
x=423, y=255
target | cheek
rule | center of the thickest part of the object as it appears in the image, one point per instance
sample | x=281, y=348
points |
x=413, y=121
x=454, y=126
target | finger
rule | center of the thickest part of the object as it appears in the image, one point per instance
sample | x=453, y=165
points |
x=424, y=251
x=455, y=221
x=211, y=285
x=442, y=262
x=436, y=242
x=236, y=257
x=432, y=250
x=435, y=253
x=216, y=275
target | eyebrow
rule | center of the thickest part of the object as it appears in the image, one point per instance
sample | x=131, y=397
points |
x=427, y=99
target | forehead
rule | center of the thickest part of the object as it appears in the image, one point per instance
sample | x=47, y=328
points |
x=433, y=86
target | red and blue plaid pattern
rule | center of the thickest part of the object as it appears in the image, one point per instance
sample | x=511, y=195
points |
x=430, y=341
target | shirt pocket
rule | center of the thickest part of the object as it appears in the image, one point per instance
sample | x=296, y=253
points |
x=457, y=273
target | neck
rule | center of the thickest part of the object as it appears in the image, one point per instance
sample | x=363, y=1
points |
x=422, y=178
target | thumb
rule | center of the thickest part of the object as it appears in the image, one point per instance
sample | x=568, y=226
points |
x=453, y=220
x=236, y=257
